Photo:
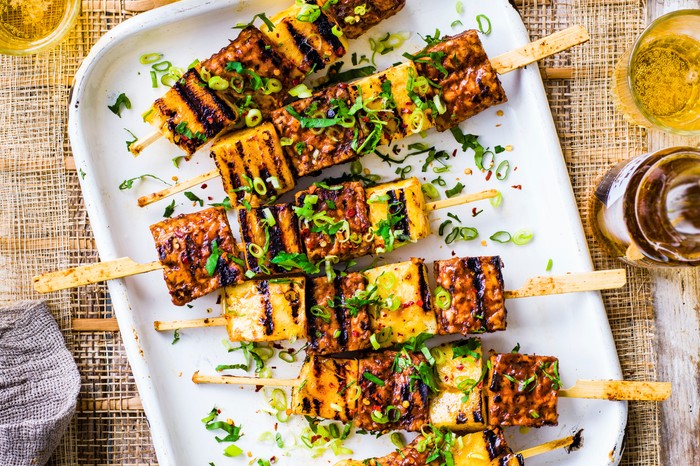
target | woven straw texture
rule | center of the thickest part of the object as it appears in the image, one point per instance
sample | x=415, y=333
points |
x=43, y=224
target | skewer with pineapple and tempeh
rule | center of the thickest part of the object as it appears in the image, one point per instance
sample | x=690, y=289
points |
x=254, y=73
x=199, y=253
x=435, y=447
x=340, y=123
x=382, y=306
x=454, y=386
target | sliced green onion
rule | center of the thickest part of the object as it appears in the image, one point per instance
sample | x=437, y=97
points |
x=278, y=399
x=497, y=200
x=218, y=83
x=481, y=21
x=265, y=352
x=392, y=303
x=168, y=80
x=439, y=105
x=321, y=312
x=154, y=79
x=468, y=233
x=300, y=91
x=430, y=191
x=416, y=121
x=232, y=450
x=308, y=13
x=287, y=356
x=356, y=167
x=374, y=342
x=337, y=32
x=274, y=181
x=253, y=117
x=148, y=58
x=387, y=280
x=282, y=416
x=501, y=237
x=255, y=250
x=443, y=298
x=269, y=218
x=205, y=74
x=550, y=263
x=460, y=8
x=259, y=185
x=397, y=440
x=521, y=237
x=237, y=84
x=273, y=86
x=373, y=378
x=503, y=170
x=162, y=66
x=488, y=159
x=360, y=9
x=286, y=142
x=249, y=274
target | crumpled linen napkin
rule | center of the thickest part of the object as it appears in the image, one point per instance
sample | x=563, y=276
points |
x=39, y=384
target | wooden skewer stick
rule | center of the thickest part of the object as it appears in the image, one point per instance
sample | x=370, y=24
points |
x=537, y=286
x=547, y=447
x=618, y=390
x=233, y=380
x=539, y=49
x=595, y=389
x=89, y=274
x=140, y=144
x=177, y=188
x=124, y=267
x=504, y=63
x=570, y=283
x=162, y=326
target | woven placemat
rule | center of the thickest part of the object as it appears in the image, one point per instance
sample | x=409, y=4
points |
x=43, y=224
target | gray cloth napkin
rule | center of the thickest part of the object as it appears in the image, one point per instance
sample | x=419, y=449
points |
x=39, y=384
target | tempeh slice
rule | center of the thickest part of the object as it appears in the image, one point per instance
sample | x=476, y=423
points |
x=357, y=16
x=185, y=245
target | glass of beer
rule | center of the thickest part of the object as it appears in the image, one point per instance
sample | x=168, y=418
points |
x=656, y=84
x=29, y=26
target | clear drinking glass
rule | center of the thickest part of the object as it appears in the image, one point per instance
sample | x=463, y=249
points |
x=647, y=209
x=29, y=26
x=657, y=82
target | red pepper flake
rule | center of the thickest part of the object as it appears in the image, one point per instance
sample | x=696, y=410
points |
x=351, y=212
x=209, y=198
x=420, y=302
x=204, y=186
x=475, y=212
x=408, y=304
x=314, y=438
x=517, y=186
x=218, y=300
x=488, y=175
x=454, y=153
x=515, y=169
x=277, y=346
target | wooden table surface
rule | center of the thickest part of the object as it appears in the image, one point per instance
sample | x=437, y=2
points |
x=677, y=305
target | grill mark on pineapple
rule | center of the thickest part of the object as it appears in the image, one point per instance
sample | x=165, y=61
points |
x=209, y=116
x=276, y=237
x=295, y=302
x=392, y=209
x=474, y=264
x=340, y=314
x=478, y=415
x=266, y=321
x=247, y=239
x=423, y=285
x=312, y=328
x=267, y=142
x=309, y=54
x=325, y=30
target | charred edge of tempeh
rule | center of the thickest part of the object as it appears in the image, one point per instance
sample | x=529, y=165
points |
x=337, y=331
x=243, y=156
x=185, y=243
x=518, y=393
x=476, y=289
x=353, y=24
x=256, y=230
x=471, y=85
x=266, y=310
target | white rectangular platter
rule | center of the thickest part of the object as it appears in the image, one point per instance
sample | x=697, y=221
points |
x=571, y=327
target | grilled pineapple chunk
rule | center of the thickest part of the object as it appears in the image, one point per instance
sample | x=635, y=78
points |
x=310, y=45
x=406, y=307
x=487, y=448
x=328, y=389
x=402, y=204
x=374, y=92
x=252, y=165
x=456, y=375
x=266, y=310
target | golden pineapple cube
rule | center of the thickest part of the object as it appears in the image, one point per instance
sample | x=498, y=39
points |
x=486, y=448
x=403, y=204
x=460, y=404
x=405, y=308
x=310, y=45
x=266, y=310
x=399, y=124
x=328, y=389
x=252, y=165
